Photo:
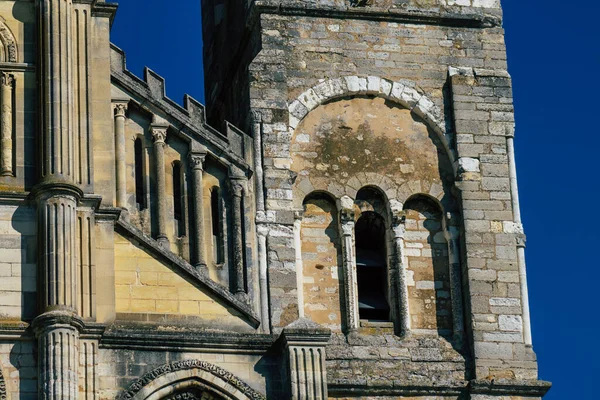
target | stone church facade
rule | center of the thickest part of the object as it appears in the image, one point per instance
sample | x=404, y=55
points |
x=340, y=221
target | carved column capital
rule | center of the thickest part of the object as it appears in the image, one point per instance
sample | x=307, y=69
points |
x=159, y=133
x=347, y=221
x=197, y=161
x=256, y=116
x=7, y=79
x=119, y=108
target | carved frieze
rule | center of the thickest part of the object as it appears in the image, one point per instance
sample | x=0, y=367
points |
x=218, y=372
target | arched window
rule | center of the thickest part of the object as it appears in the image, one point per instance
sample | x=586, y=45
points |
x=217, y=233
x=140, y=193
x=371, y=267
x=178, y=198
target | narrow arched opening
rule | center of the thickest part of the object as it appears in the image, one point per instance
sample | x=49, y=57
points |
x=216, y=224
x=140, y=193
x=371, y=267
x=178, y=199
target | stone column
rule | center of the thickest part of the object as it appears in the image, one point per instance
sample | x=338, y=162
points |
x=304, y=343
x=57, y=197
x=399, y=267
x=196, y=159
x=237, y=182
x=350, y=280
x=120, y=153
x=299, y=266
x=6, y=127
x=453, y=238
x=514, y=192
x=159, y=135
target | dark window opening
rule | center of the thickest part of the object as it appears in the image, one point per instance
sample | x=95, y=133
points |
x=140, y=196
x=215, y=212
x=371, y=264
x=178, y=198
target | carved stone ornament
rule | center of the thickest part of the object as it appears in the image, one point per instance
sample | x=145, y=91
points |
x=8, y=40
x=197, y=160
x=2, y=387
x=218, y=372
x=347, y=222
x=8, y=79
x=159, y=135
x=120, y=109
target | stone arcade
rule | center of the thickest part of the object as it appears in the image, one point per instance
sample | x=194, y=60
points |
x=341, y=221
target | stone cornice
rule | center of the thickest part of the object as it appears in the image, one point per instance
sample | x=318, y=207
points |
x=438, y=16
x=508, y=387
x=165, y=256
x=141, y=336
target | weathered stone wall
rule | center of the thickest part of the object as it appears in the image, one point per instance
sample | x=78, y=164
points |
x=321, y=263
x=18, y=366
x=428, y=267
x=18, y=269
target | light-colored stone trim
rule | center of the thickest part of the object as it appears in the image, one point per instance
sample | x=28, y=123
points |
x=398, y=92
x=516, y=207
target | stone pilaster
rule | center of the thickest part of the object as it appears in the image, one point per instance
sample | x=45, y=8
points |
x=196, y=159
x=56, y=63
x=120, y=108
x=304, y=343
x=399, y=269
x=57, y=196
x=58, y=349
x=159, y=135
x=237, y=182
x=349, y=259
x=6, y=125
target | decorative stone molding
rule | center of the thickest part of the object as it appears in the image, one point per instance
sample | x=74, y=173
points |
x=169, y=374
x=349, y=272
x=398, y=92
x=2, y=387
x=120, y=109
x=6, y=124
x=9, y=43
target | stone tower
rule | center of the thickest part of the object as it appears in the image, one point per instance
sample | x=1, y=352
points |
x=384, y=154
x=342, y=220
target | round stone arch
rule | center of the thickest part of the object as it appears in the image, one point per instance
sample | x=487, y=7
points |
x=186, y=375
x=403, y=94
x=8, y=50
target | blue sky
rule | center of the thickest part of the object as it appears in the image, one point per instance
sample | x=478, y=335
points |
x=554, y=59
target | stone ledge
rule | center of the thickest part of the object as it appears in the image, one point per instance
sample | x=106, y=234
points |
x=444, y=16
x=148, y=337
x=503, y=387
x=186, y=269
x=510, y=387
